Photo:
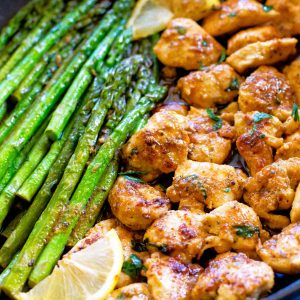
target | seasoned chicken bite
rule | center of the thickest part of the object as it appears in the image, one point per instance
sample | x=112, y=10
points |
x=126, y=237
x=185, y=44
x=290, y=148
x=210, y=136
x=233, y=226
x=134, y=291
x=267, y=90
x=282, y=251
x=237, y=14
x=178, y=233
x=137, y=204
x=292, y=72
x=262, y=53
x=273, y=189
x=217, y=84
x=210, y=184
x=169, y=278
x=258, y=133
x=228, y=112
x=233, y=276
x=160, y=146
x=250, y=36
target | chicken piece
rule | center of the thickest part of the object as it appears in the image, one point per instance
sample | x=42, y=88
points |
x=229, y=111
x=233, y=226
x=210, y=184
x=258, y=134
x=290, y=148
x=272, y=189
x=178, y=233
x=295, y=211
x=262, y=53
x=160, y=146
x=137, y=204
x=217, y=84
x=250, y=36
x=208, y=143
x=292, y=72
x=282, y=251
x=126, y=237
x=237, y=14
x=289, y=20
x=192, y=205
x=291, y=125
x=184, y=44
x=135, y=291
x=169, y=278
x=232, y=276
x=267, y=90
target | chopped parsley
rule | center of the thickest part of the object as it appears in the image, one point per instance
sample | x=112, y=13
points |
x=234, y=85
x=295, y=113
x=267, y=8
x=138, y=246
x=198, y=184
x=181, y=30
x=222, y=56
x=120, y=297
x=131, y=178
x=133, y=266
x=131, y=172
x=227, y=190
x=162, y=248
x=262, y=136
x=204, y=43
x=259, y=116
x=246, y=231
x=232, y=14
x=201, y=66
x=218, y=121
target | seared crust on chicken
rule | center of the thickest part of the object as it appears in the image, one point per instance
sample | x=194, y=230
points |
x=282, y=251
x=272, y=189
x=218, y=84
x=208, y=183
x=233, y=276
x=292, y=72
x=290, y=148
x=262, y=53
x=160, y=146
x=267, y=90
x=185, y=44
x=250, y=36
x=237, y=14
x=137, y=204
x=134, y=291
x=207, y=143
x=169, y=278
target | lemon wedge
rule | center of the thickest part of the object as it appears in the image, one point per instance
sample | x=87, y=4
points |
x=90, y=274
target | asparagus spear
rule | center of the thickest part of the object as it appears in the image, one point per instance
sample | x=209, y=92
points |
x=3, y=110
x=18, y=237
x=89, y=216
x=12, y=224
x=6, y=271
x=87, y=185
x=44, y=24
x=8, y=85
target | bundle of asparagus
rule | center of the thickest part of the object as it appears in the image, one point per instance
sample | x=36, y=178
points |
x=73, y=89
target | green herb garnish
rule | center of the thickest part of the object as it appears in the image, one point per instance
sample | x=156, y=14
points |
x=232, y=14
x=133, y=266
x=222, y=56
x=204, y=43
x=259, y=116
x=162, y=248
x=246, y=231
x=138, y=246
x=131, y=178
x=262, y=136
x=131, y=172
x=295, y=113
x=198, y=183
x=227, y=190
x=218, y=121
x=267, y=8
x=120, y=297
x=234, y=85
x=180, y=30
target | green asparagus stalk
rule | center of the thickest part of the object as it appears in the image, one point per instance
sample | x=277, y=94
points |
x=89, y=216
x=18, y=237
x=12, y=224
x=8, y=85
x=87, y=185
x=6, y=271
x=3, y=110
x=45, y=23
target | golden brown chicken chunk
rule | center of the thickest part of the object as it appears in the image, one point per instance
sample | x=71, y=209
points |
x=250, y=36
x=272, y=189
x=208, y=183
x=185, y=44
x=134, y=291
x=282, y=251
x=137, y=204
x=262, y=53
x=290, y=148
x=233, y=276
x=237, y=14
x=258, y=133
x=267, y=90
x=292, y=72
x=218, y=84
x=178, y=233
x=208, y=142
x=289, y=20
x=169, y=278
x=160, y=146
x=126, y=237
x=228, y=112
x=233, y=226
